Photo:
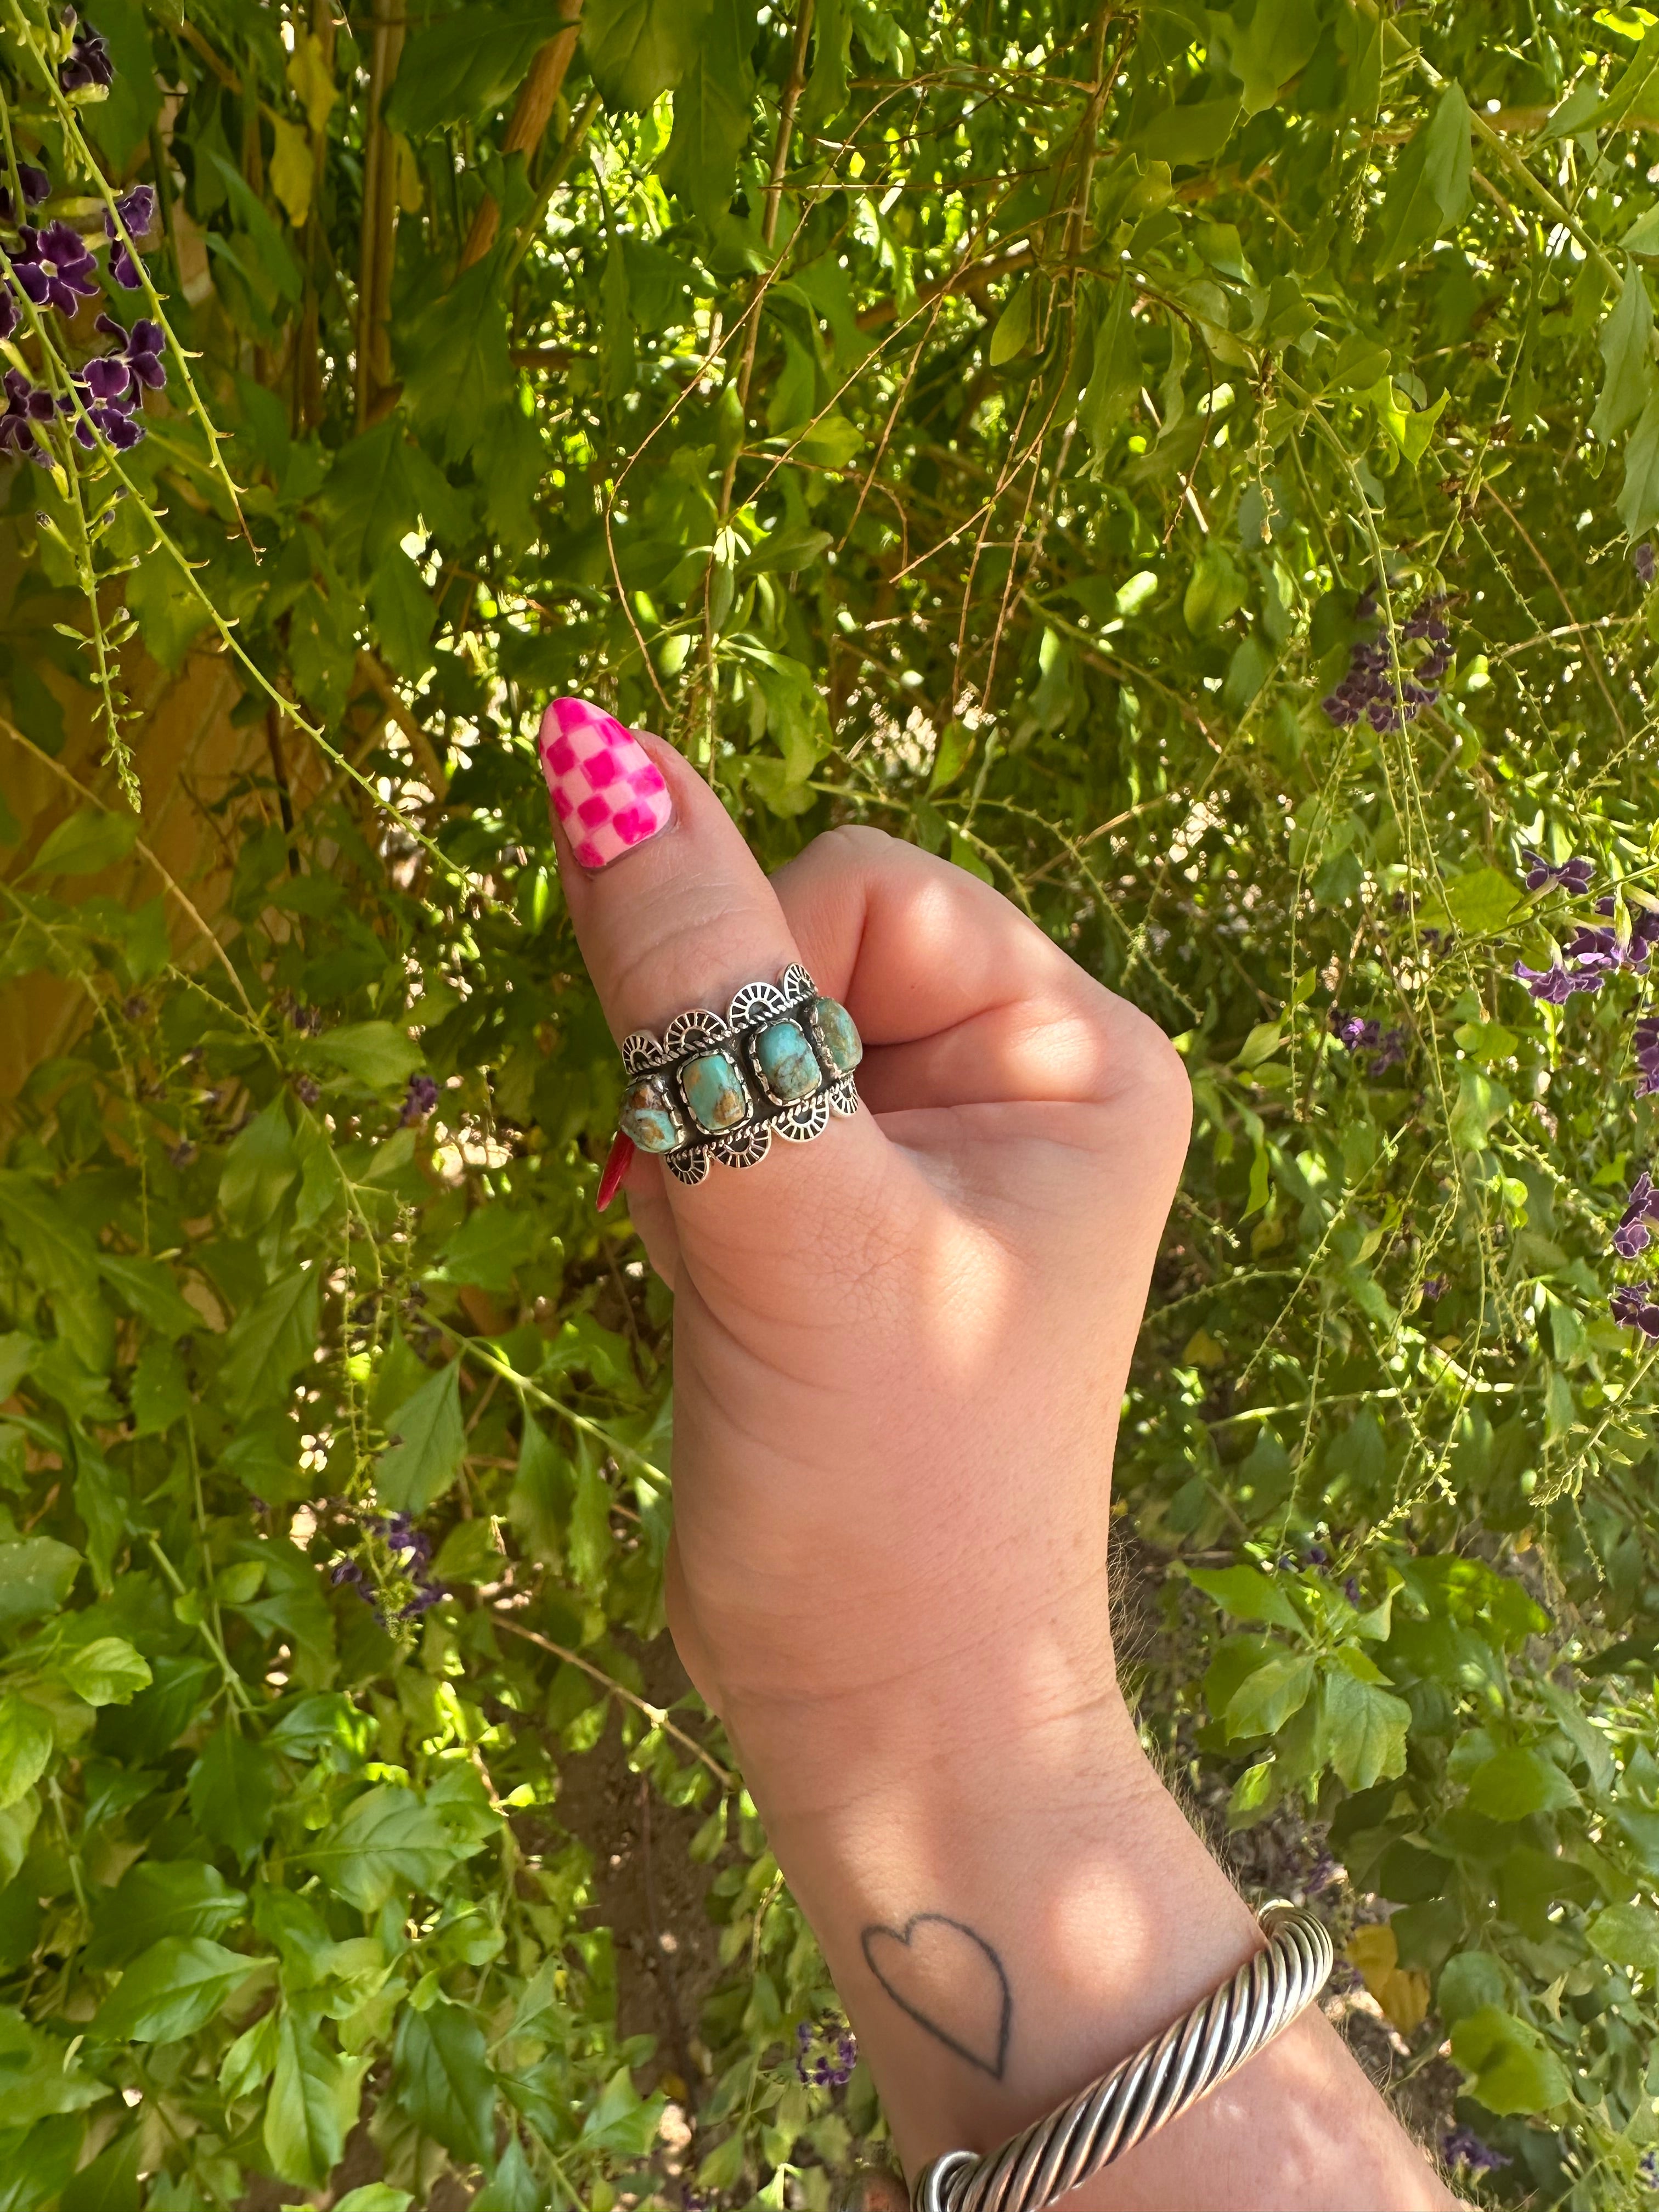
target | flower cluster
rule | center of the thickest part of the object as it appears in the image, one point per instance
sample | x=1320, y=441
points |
x=51, y=267
x=1386, y=1046
x=1462, y=2147
x=1590, y=955
x=411, y=1549
x=1572, y=875
x=421, y=1098
x=1647, y=2169
x=1643, y=560
x=1376, y=686
x=826, y=2051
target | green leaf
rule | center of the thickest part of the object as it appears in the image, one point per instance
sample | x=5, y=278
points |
x=379, y=1055
x=460, y=68
x=455, y=363
x=1363, y=1728
x=489, y=1247
x=110, y=2183
x=1247, y=1594
x=827, y=79
x=712, y=108
x=1638, y=498
x=232, y=1790
x=638, y=49
x=36, y=1575
x=512, y=2188
x=170, y=1991
x=429, y=1443
x=442, y=2078
x=1480, y=1104
x=1275, y=45
x=1214, y=592
x=1509, y=2067
x=270, y=1341
x=159, y=1392
x=150, y=1289
x=106, y=1672
x=1626, y=1935
x=1015, y=325
x=313, y=2104
x=26, y=1741
x=369, y=502
x=1513, y=1784
x=1115, y=376
x=260, y=1167
x=590, y=1521
x=1189, y=136
x=85, y=845
x=405, y=614
x=1482, y=901
x=543, y=1491
x=387, y=1842
x=1429, y=192
x=1626, y=344
x=180, y=1898
x=1268, y=1696
x=380, y=2196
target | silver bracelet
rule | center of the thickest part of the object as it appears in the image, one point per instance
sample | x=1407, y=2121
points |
x=1164, y=2078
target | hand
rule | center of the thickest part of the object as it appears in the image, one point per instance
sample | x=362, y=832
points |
x=899, y=1354
x=899, y=1350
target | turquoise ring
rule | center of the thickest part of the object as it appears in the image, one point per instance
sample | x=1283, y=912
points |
x=778, y=1063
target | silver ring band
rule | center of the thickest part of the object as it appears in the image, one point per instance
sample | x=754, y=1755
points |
x=779, y=1062
x=1163, y=2079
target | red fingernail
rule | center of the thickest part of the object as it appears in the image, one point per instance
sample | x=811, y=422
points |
x=616, y=1167
x=607, y=791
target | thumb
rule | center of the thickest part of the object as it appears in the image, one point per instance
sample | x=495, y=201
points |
x=673, y=913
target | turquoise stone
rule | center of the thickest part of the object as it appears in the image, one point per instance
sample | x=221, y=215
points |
x=647, y=1117
x=786, y=1061
x=714, y=1091
x=843, y=1047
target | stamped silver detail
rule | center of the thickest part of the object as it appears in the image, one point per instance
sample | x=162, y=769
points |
x=745, y=1147
x=641, y=1053
x=756, y=1005
x=806, y=1119
x=700, y=1029
x=695, y=1031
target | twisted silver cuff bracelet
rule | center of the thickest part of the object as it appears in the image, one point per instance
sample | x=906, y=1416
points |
x=1161, y=2080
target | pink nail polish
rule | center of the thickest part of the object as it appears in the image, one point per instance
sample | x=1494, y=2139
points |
x=607, y=791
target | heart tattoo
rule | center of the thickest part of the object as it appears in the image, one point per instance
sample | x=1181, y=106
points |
x=937, y=1970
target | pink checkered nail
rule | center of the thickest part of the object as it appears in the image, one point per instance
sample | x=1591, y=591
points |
x=607, y=791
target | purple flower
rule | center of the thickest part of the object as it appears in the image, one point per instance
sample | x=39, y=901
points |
x=1631, y=1307
x=1390, y=1052
x=1554, y=986
x=424, y=1599
x=1642, y=560
x=1645, y=1044
x=1434, y=1287
x=1318, y=1556
x=137, y=210
x=826, y=2052
x=1647, y=2166
x=89, y=64
x=1349, y=1031
x=1631, y=1237
x=421, y=1098
x=1572, y=875
x=1351, y=1588
x=308, y=1090
x=1462, y=2147
x=54, y=267
x=26, y=405
x=141, y=348
x=36, y=185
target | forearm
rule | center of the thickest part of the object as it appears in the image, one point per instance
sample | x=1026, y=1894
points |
x=1009, y=1911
